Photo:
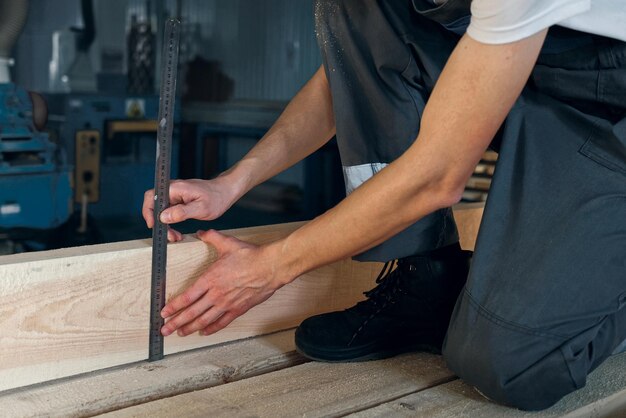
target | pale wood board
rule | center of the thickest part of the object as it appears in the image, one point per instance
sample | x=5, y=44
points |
x=604, y=395
x=108, y=390
x=468, y=217
x=62, y=315
x=77, y=310
x=311, y=390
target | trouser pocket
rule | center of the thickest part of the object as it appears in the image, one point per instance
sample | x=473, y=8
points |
x=607, y=146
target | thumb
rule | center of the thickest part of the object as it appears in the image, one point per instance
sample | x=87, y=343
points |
x=214, y=238
x=181, y=212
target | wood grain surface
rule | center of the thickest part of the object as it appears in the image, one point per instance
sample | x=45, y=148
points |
x=61, y=316
x=108, y=390
x=311, y=390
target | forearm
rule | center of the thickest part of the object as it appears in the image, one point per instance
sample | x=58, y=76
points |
x=305, y=125
x=473, y=95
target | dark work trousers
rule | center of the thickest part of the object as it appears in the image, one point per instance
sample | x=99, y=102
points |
x=545, y=300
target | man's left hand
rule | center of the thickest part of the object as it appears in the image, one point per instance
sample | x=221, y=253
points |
x=242, y=277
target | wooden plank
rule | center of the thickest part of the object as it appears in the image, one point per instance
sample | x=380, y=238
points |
x=61, y=316
x=604, y=395
x=468, y=217
x=77, y=310
x=312, y=390
x=99, y=392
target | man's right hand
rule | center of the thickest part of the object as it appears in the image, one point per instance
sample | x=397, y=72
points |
x=190, y=199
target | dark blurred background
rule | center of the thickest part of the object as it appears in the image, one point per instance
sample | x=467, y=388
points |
x=80, y=178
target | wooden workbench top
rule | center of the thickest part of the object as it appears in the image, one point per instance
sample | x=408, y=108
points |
x=265, y=377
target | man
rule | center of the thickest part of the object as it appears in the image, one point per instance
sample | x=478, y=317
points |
x=416, y=103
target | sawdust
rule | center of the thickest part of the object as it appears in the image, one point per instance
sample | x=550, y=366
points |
x=325, y=12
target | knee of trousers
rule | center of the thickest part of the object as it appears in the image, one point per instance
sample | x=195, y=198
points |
x=510, y=366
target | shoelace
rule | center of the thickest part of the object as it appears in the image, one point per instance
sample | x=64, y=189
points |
x=387, y=283
x=378, y=298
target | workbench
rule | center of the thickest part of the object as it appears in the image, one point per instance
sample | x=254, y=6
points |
x=264, y=377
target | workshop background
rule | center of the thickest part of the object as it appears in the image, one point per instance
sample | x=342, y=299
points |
x=79, y=101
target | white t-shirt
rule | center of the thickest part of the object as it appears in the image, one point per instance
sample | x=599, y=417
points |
x=503, y=21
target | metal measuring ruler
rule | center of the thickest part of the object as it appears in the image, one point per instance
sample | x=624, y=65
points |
x=169, y=70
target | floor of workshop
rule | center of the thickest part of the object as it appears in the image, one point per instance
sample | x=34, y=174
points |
x=265, y=377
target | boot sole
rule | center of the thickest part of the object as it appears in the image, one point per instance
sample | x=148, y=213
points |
x=363, y=353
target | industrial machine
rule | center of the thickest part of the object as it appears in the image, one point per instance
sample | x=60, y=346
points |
x=35, y=180
x=109, y=129
x=35, y=187
x=110, y=140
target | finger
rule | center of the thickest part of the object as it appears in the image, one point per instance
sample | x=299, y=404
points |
x=222, y=322
x=182, y=212
x=187, y=316
x=201, y=322
x=185, y=299
x=148, y=208
x=166, y=331
x=173, y=235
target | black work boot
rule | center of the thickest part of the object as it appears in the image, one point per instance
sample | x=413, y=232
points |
x=409, y=310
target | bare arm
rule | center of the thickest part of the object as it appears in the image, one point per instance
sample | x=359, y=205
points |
x=472, y=97
x=306, y=124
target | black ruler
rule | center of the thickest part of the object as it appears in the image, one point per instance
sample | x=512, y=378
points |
x=169, y=70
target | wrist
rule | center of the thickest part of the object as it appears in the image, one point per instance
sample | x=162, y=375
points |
x=235, y=182
x=284, y=266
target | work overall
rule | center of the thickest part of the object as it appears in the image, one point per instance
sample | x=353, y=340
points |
x=545, y=302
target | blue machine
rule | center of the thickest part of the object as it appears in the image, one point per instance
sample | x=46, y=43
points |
x=35, y=181
x=127, y=157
